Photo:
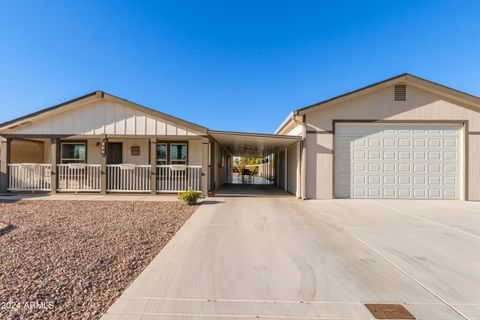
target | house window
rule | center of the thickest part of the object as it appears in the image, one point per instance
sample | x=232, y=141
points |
x=73, y=152
x=172, y=153
x=178, y=153
x=161, y=154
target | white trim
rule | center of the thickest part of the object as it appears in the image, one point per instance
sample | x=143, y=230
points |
x=284, y=122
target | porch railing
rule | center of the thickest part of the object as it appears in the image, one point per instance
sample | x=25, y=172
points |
x=29, y=177
x=177, y=178
x=128, y=178
x=79, y=177
x=120, y=177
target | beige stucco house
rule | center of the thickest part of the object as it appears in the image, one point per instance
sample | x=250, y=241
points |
x=404, y=137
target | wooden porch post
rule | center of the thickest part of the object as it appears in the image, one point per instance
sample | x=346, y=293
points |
x=4, y=159
x=153, y=165
x=103, y=164
x=205, y=178
x=54, y=146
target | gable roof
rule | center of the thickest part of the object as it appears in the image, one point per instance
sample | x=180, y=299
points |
x=90, y=97
x=407, y=78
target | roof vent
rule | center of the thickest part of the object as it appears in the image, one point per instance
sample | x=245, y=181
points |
x=400, y=92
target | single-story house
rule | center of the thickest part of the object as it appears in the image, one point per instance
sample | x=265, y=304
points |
x=405, y=138
x=105, y=144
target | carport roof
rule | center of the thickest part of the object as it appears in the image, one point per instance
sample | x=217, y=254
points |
x=248, y=144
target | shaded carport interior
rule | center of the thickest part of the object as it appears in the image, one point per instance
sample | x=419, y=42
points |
x=282, y=167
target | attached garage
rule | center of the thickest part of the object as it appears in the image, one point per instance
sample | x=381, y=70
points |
x=398, y=160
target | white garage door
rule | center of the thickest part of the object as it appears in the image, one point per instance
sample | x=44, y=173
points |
x=397, y=160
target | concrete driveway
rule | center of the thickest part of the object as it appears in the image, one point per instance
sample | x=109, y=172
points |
x=282, y=258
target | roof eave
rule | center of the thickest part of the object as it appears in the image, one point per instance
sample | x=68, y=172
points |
x=46, y=111
x=407, y=78
x=286, y=121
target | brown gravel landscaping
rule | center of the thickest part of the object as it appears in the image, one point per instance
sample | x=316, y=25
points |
x=72, y=259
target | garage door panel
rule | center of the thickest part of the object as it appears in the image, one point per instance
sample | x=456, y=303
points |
x=418, y=161
x=419, y=193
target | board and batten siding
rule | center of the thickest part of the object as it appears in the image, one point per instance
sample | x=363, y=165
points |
x=103, y=117
x=421, y=105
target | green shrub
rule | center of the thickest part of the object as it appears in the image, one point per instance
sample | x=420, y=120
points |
x=190, y=196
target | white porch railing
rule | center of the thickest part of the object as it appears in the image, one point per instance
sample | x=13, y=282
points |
x=120, y=177
x=79, y=177
x=177, y=178
x=29, y=177
x=128, y=178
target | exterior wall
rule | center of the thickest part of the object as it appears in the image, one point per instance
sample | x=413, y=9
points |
x=94, y=157
x=195, y=152
x=295, y=131
x=103, y=117
x=26, y=151
x=220, y=172
x=292, y=168
x=319, y=166
x=421, y=105
x=93, y=151
x=39, y=152
x=47, y=151
x=142, y=159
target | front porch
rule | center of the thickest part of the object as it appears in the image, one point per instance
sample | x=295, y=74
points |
x=104, y=165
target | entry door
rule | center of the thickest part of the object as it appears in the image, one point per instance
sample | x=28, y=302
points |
x=405, y=161
x=114, y=153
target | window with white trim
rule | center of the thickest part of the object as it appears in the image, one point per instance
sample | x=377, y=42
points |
x=73, y=152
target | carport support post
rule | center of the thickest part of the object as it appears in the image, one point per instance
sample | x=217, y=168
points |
x=204, y=175
x=54, y=145
x=277, y=168
x=153, y=165
x=4, y=159
x=303, y=170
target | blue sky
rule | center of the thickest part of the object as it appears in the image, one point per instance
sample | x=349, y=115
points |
x=228, y=65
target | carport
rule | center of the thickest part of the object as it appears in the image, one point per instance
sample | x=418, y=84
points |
x=281, y=153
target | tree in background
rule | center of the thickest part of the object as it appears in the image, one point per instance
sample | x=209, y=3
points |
x=246, y=165
x=251, y=160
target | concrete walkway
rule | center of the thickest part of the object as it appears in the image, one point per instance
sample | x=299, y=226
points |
x=282, y=258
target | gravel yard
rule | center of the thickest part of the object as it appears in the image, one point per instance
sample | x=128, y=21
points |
x=72, y=259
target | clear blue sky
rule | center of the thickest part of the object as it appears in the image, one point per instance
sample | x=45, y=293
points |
x=228, y=65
